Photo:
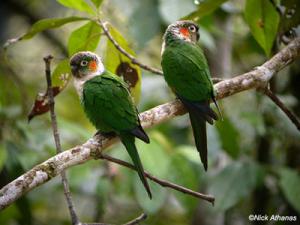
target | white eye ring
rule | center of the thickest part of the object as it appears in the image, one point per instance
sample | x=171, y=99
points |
x=192, y=28
x=84, y=63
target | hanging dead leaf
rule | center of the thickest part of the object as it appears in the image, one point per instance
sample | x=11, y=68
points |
x=129, y=74
x=60, y=79
x=41, y=103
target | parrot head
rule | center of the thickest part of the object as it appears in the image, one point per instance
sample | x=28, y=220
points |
x=86, y=65
x=185, y=30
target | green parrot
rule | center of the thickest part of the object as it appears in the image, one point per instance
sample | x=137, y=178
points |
x=187, y=74
x=108, y=105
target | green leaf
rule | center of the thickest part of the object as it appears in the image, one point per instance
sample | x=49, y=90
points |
x=263, y=20
x=85, y=38
x=233, y=183
x=46, y=24
x=61, y=75
x=151, y=206
x=182, y=172
x=189, y=153
x=230, y=137
x=154, y=156
x=141, y=18
x=3, y=155
x=172, y=10
x=119, y=64
x=289, y=183
x=97, y=3
x=205, y=8
x=156, y=161
x=80, y=5
x=42, y=25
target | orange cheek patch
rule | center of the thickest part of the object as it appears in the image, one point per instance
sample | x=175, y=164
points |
x=93, y=66
x=185, y=32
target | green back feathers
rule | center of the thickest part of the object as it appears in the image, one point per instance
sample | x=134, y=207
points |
x=186, y=70
x=108, y=104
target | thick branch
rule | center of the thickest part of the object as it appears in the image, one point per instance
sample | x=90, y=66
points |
x=80, y=154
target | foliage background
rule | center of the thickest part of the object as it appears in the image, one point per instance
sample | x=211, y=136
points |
x=254, y=154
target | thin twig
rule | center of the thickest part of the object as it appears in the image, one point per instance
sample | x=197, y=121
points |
x=282, y=106
x=161, y=182
x=124, y=52
x=20, y=8
x=136, y=221
x=64, y=179
x=95, y=224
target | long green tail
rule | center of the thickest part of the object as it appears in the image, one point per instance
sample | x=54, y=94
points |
x=128, y=141
x=199, y=130
x=200, y=113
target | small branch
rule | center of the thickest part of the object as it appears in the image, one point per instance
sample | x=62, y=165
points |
x=64, y=179
x=45, y=171
x=259, y=76
x=95, y=224
x=282, y=106
x=161, y=182
x=124, y=52
x=20, y=8
x=136, y=221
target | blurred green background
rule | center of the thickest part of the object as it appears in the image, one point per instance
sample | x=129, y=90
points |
x=254, y=154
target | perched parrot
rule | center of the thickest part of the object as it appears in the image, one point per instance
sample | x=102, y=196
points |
x=187, y=74
x=108, y=104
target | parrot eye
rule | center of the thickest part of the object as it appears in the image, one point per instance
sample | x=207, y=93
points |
x=84, y=63
x=192, y=28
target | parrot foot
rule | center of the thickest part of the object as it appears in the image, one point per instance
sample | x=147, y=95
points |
x=105, y=134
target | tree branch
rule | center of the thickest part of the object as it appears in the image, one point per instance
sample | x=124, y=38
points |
x=161, y=182
x=136, y=221
x=20, y=8
x=45, y=171
x=64, y=180
x=282, y=106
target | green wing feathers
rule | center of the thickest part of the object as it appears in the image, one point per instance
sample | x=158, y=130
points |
x=186, y=71
x=108, y=104
x=128, y=141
